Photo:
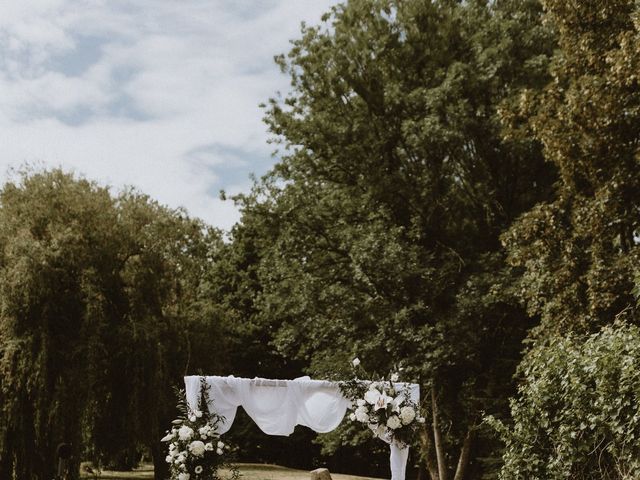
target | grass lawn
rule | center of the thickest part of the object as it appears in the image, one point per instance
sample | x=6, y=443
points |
x=249, y=471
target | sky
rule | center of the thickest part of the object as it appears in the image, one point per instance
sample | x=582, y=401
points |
x=161, y=95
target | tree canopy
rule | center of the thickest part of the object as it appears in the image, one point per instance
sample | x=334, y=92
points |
x=579, y=250
x=101, y=313
x=393, y=185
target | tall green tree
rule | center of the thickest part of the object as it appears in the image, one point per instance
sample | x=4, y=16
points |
x=391, y=192
x=579, y=251
x=101, y=313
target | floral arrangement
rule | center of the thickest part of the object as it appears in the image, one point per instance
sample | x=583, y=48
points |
x=385, y=406
x=195, y=449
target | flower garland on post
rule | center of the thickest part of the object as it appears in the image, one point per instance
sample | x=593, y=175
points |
x=195, y=449
x=384, y=406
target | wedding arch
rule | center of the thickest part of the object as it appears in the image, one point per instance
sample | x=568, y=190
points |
x=277, y=406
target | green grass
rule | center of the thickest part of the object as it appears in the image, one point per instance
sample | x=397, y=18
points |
x=249, y=471
x=145, y=471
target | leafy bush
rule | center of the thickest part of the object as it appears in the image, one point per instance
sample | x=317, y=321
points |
x=577, y=414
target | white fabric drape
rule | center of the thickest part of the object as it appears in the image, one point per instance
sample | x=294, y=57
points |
x=398, y=461
x=277, y=406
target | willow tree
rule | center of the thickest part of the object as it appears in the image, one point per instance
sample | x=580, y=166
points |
x=385, y=208
x=100, y=312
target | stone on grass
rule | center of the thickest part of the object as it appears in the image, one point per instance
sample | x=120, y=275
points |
x=320, y=474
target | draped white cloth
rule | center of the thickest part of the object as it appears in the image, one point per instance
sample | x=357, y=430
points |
x=277, y=406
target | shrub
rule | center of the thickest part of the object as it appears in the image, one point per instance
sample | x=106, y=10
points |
x=577, y=413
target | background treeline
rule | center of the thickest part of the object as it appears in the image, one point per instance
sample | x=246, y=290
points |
x=103, y=305
x=456, y=193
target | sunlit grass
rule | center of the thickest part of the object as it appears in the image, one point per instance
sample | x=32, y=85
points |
x=249, y=471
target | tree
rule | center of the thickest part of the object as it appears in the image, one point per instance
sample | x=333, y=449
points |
x=385, y=209
x=579, y=251
x=233, y=283
x=101, y=313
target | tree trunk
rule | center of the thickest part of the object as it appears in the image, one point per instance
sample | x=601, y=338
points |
x=442, y=467
x=421, y=472
x=6, y=455
x=465, y=455
x=429, y=452
x=160, y=466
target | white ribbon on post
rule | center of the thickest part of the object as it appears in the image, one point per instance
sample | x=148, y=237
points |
x=398, y=461
x=397, y=458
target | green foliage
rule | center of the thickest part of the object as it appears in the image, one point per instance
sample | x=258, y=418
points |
x=579, y=252
x=101, y=312
x=412, y=149
x=233, y=283
x=576, y=413
x=379, y=225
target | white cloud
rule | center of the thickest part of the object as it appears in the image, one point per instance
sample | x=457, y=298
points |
x=161, y=95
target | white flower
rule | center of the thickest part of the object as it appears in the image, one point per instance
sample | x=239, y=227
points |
x=185, y=433
x=371, y=397
x=355, y=362
x=184, y=476
x=383, y=401
x=394, y=377
x=209, y=446
x=407, y=414
x=361, y=402
x=352, y=417
x=198, y=413
x=362, y=415
x=219, y=451
x=197, y=448
x=192, y=418
x=421, y=420
x=396, y=402
x=220, y=445
x=377, y=399
x=168, y=437
x=169, y=459
x=394, y=422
